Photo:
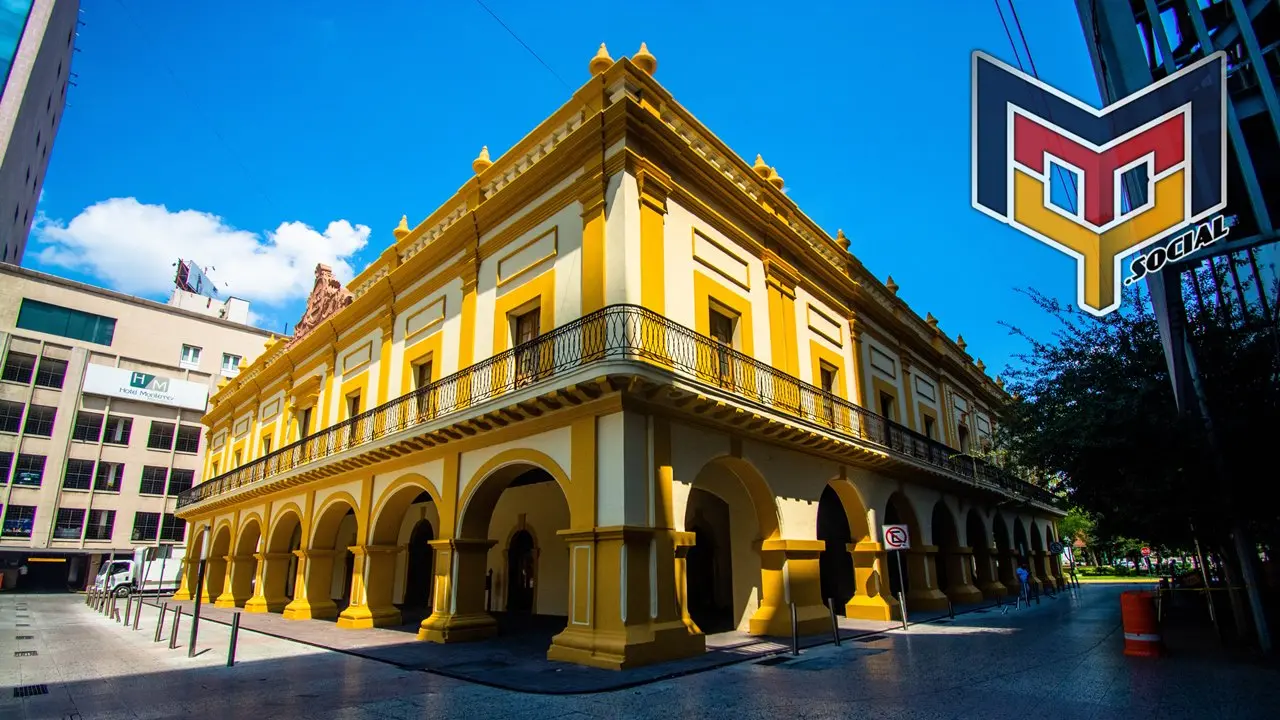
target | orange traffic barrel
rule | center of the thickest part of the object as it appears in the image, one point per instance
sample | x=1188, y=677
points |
x=1138, y=615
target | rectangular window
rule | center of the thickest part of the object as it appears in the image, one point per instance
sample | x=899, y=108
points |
x=213, y=470
x=10, y=416
x=145, y=526
x=526, y=328
x=161, y=436
x=65, y=322
x=18, y=521
x=235, y=459
x=18, y=367
x=827, y=377
x=304, y=423
x=88, y=427
x=153, y=480
x=963, y=434
x=190, y=357
x=118, y=430
x=188, y=439
x=886, y=405
x=69, y=525
x=928, y=427
x=101, y=525
x=29, y=471
x=180, y=481
x=422, y=380
x=230, y=365
x=721, y=328
x=173, y=529
x=353, y=405
x=79, y=474
x=266, y=445
x=109, y=477
x=6, y=464
x=51, y=373
x=40, y=420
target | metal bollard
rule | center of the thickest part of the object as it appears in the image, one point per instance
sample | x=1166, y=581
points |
x=835, y=624
x=160, y=622
x=137, y=613
x=173, y=633
x=235, y=635
x=795, y=631
x=902, y=605
x=88, y=596
x=951, y=609
x=128, y=608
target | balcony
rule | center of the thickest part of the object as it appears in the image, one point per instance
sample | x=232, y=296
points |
x=629, y=335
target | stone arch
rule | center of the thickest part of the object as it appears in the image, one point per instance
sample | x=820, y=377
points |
x=329, y=561
x=763, y=502
x=1006, y=556
x=389, y=509
x=899, y=511
x=486, y=485
x=849, y=567
x=216, y=571
x=855, y=508
x=244, y=564
x=952, y=561
x=280, y=569
x=384, y=532
x=985, y=561
x=191, y=564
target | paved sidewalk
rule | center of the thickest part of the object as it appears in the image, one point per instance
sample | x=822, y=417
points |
x=1059, y=659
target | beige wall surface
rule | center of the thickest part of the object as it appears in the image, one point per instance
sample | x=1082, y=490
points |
x=149, y=338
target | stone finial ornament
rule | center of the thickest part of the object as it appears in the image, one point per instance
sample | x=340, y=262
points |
x=774, y=178
x=760, y=167
x=403, y=228
x=960, y=343
x=982, y=367
x=482, y=161
x=891, y=285
x=933, y=321
x=841, y=240
x=644, y=59
x=999, y=382
x=602, y=61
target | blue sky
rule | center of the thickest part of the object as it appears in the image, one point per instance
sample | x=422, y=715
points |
x=292, y=137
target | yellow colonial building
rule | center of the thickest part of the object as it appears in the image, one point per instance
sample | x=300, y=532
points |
x=618, y=380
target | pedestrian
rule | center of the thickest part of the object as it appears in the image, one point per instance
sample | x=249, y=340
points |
x=1023, y=575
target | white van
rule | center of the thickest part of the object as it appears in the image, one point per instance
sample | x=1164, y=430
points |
x=150, y=570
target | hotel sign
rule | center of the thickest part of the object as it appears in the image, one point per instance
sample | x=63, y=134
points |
x=134, y=385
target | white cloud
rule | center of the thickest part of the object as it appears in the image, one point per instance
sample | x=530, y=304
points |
x=132, y=247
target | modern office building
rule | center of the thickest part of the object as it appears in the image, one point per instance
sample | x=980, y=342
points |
x=101, y=396
x=621, y=380
x=37, y=40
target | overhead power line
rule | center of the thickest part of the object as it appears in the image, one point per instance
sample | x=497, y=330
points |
x=525, y=45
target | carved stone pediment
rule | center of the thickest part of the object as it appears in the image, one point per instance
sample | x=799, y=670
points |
x=328, y=296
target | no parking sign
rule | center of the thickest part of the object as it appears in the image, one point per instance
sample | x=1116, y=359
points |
x=897, y=537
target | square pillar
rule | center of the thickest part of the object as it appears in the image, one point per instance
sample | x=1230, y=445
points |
x=184, y=586
x=923, y=593
x=789, y=573
x=371, y=603
x=311, y=588
x=268, y=593
x=871, y=599
x=1007, y=569
x=227, y=599
x=988, y=574
x=959, y=573
x=457, y=612
x=622, y=600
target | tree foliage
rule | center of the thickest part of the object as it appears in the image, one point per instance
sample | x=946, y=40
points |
x=1093, y=405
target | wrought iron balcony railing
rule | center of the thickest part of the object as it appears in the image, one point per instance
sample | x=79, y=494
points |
x=617, y=332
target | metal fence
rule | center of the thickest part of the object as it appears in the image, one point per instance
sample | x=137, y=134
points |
x=617, y=332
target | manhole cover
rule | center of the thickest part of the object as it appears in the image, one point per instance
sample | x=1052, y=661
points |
x=24, y=637
x=869, y=638
x=775, y=660
x=24, y=653
x=29, y=690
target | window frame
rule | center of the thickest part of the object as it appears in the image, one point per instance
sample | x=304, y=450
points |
x=88, y=476
x=43, y=374
x=169, y=522
x=190, y=360
x=50, y=319
x=36, y=415
x=77, y=425
x=31, y=518
x=114, y=481
x=9, y=422
x=144, y=479
x=126, y=421
x=154, y=517
x=90, y=528
x=18, y=374
x=232, y=369
x=174, y=474
x=60, y=523
x=178, y=445
x=20, y=459
x=159, y=425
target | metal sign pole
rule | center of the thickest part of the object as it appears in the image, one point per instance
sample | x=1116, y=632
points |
x=195, y=612
x=902, y=597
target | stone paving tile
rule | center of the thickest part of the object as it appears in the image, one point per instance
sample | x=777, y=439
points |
x=1061, y=659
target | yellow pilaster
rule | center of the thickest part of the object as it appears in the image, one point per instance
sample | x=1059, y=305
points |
x=387, y=327
x=908, y=403
x=311, y=597
x=988, y=579
x=593, y=207
x=859, y=376
x=227, y=599
x=372, y=576
x=273, y=570
x=782, y=319
x=960, y=588
x=922, y=574
x=654, y=187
